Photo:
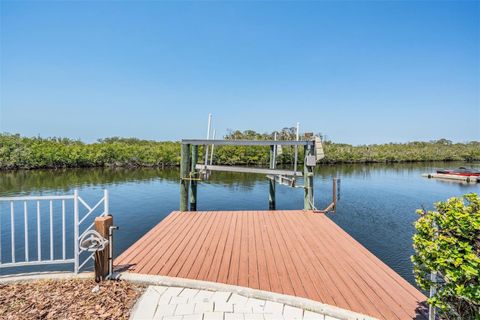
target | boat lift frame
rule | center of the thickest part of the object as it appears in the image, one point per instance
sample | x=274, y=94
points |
x=190, y=170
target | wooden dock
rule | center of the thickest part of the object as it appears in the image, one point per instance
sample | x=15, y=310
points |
x=452, y=177
x=298, y=253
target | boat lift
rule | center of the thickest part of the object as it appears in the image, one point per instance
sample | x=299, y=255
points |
x=191, y=172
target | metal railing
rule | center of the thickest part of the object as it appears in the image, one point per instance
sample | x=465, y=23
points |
x=54, y=204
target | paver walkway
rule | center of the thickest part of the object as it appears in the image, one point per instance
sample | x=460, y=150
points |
x=176, y=303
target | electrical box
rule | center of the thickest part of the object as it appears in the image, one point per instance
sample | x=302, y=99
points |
x=311, y=161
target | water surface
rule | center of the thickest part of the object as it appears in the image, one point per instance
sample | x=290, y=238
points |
x=377, y=205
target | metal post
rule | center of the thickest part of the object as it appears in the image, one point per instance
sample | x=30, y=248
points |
x=433, y=290
x=296, y=149
x=12, y=226
x=75, y=230
x=193, y=183
x=271, y=194
x=1, y=236
x=275, y=148
x=106, y=202
x=39, y=235
x=51, y=226
x=208, y=138
x=110, y=251
x=213, y=146
x=25, y=216
x=308, y=179
x=184, y=181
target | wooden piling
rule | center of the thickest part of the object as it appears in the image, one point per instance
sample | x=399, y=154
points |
x=308, y=179
x=193, y=183
x=271, y=194
x=184, y=176
x=102, y=226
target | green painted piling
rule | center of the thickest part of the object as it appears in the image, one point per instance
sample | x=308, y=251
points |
x=308, y=179
x=271, y=194
x=184, y=176
x=193, y=183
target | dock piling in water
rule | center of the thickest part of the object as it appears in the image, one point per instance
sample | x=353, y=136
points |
x=184, y=179
x=271, y=183
x=308, y=178
x=193, y=182
x=189, y=169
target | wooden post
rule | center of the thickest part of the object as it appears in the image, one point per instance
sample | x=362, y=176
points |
x=184, y=172
x=102, y=226
x=271, y=194
x=193, y=183
x=308, y=179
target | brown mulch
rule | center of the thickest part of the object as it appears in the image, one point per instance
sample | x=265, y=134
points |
x=68, y=299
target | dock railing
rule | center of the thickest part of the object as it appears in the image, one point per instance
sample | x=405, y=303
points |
x=48, y=211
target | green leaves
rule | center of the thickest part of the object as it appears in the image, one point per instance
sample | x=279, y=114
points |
x=32, y=153
x=18, y=152
x=448, y=241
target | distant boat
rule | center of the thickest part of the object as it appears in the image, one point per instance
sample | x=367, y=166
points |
x=462, y=171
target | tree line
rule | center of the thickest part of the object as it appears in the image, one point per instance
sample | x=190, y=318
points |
x=18, y=152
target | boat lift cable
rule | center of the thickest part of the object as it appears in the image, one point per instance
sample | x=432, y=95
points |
x=194, y=171
x=326, y=210
x=312, y=203
x=335, y=198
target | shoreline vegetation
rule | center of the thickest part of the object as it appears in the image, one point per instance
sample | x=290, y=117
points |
x=17, y=152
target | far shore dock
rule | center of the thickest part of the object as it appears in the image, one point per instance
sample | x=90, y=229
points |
x=299, y=253
x=452, y=177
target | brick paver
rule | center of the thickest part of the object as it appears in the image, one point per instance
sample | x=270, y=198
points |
x=176, y=303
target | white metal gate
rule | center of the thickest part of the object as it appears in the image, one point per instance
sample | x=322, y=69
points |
x=54, y=205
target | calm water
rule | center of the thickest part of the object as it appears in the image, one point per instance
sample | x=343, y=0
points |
x=377, y=206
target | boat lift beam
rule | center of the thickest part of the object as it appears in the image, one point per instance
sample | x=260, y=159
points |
x=191, y=170
x=248, y=170
x=249, y=142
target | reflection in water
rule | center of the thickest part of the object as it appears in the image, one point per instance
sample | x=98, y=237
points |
x=27, y=181
x=63, y=180
x=377, y=206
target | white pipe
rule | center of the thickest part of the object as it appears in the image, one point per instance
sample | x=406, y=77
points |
x=106, y=204
x=110, y=251
x=51, y=232
x=296, y=149
x=211, y=155
x=12, y=225
x=274, y=164
x=39, y=235
x=433, y=289
x=75, y=231
x=64, y=250
x=25, y=216
x=208, y=138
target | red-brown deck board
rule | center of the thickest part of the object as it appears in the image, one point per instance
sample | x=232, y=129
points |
x=298, y=253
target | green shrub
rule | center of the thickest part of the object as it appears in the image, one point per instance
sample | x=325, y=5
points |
x=17, y=152
x=448, y=241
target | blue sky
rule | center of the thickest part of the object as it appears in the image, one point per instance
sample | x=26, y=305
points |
x=360, y=72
